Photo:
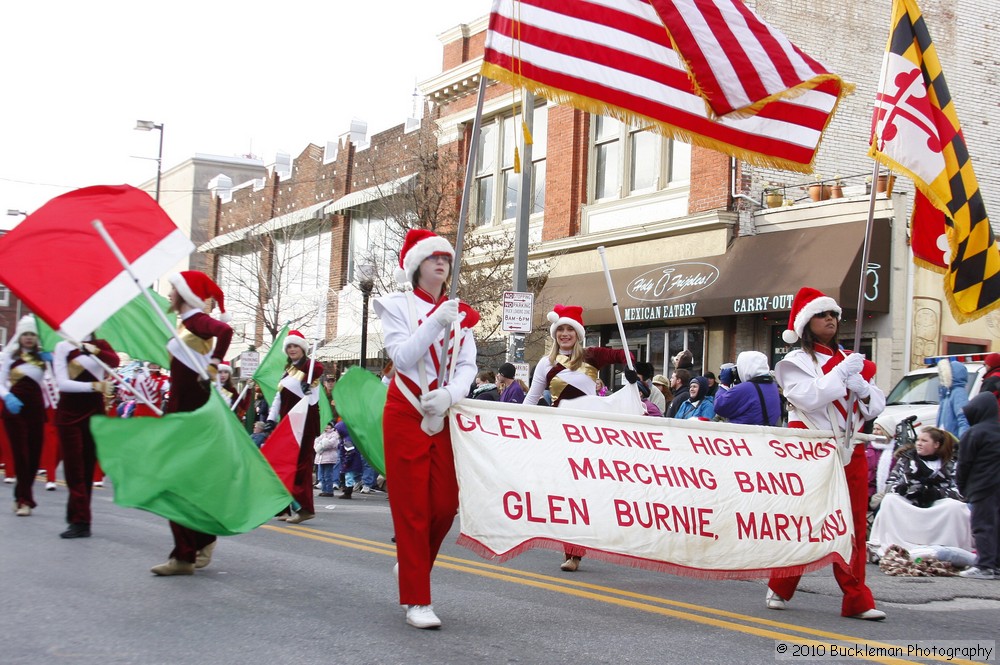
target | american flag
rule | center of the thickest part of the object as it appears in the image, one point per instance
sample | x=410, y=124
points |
x=750, y=93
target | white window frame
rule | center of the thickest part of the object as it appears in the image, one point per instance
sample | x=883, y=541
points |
x=4, y=296
x=500, y=168
x=668, y=173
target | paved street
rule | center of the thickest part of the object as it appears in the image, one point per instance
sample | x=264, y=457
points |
x=323, y=592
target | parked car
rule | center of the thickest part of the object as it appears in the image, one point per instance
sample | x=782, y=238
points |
x=916, y=394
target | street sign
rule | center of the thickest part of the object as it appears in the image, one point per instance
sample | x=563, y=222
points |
x=517, y=309
x=521, y=372
x=249, y=362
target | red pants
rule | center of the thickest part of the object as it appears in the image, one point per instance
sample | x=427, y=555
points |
x=857, y=595
x=51, y=448
x=187, y=542
x=25, y=432
x=302, y=487
x=424, y=498
x=79, y=460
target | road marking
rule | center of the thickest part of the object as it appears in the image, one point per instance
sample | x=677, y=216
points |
x=613, y=596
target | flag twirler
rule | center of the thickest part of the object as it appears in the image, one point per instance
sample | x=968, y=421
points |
x=199, y=469
x=708, y=72
x=83, y=284
x=915, y=130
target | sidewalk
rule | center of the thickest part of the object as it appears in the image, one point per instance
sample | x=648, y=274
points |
x=908, y=590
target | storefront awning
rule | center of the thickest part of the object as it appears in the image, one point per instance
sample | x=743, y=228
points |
x=759, y=274
x=369, y=194
x=315, y=211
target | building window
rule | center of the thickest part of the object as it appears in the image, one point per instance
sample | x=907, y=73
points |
x=3, y=337
x=496, y=184
x=375, y=241
x=4, y=296
x=629, y=160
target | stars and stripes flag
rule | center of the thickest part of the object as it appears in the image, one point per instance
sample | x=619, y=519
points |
x=57, y=263
x=915, y=131
x=708, y=72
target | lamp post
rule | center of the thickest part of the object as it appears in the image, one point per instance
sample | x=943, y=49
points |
x=146, y=126
x=366, y=283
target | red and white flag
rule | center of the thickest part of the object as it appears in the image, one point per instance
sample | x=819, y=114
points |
x=56, y=262
x=749, y=93
x=281, y=448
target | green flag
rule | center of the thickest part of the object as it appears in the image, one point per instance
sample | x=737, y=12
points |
x=135, y=329
x=325, y=410
x=360, y=398
x=272, y=367
x=199, y=469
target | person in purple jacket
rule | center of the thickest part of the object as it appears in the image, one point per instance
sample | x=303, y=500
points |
x=750, y=397
x=511, y=390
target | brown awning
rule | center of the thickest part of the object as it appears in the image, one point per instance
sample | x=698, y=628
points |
x=758, y=274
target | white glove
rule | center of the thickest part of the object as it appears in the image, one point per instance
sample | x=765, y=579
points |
x=436, y=402
x=446, y=313
x=857, y=385
x=90, y=348
x=852, y=364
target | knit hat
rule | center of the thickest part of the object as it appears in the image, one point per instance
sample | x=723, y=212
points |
x=808, y=303
x=507, y=371
x=645, y=370
x=568, y=314
x=992, y=360
x=418, y=245
x=26, y=324
x=296, y=338
x=196, y=287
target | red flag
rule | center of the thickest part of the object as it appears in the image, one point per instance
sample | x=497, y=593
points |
x=56, y=262
x=281, y=448
x=771, y=102
x=928, y=235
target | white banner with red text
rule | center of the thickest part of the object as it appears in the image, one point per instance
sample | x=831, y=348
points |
x=702, y=499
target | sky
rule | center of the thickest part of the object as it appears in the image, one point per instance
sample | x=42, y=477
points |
x=222, y=77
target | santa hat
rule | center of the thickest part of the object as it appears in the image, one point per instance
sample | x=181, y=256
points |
x=418, y=245
x=298, y=339
x=567, y=314
x=808, y=303
x=196, y=287
x=224, y=367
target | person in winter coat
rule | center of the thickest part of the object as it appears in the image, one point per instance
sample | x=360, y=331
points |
x=351, y=465
x=486, y=386
x=698, y=405
x=511, y=390
x=978, y=478
x=754, y=401
x=327, y=456
x=881, y=459
x=954, y=393
x=922, y=505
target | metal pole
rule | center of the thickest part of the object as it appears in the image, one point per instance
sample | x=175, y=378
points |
x=463, y=213
x=525, y=192
x=614, y=304
x=365, y=295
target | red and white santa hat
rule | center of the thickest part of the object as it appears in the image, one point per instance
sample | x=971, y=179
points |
x=296, y=338
x=418, y=245
x=196, y=288
x=808, y=303
x=568, y=314
x=225, y=367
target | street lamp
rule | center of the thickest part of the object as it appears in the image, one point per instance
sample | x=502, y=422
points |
x=366, y=283
x=147, y=126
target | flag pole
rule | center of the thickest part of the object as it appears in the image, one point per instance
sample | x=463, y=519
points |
x=614, y=305
x=463, y=211
x=113, y=246
x=116, y=377
x=239, y=399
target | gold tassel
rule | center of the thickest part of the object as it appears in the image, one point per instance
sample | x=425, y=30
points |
x=517, y=160
x=527, y=134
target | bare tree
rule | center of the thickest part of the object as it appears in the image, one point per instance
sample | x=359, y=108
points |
x=276, y=277
x=431, y=200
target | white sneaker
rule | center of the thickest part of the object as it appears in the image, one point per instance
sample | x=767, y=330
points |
x=99, y=483
x=50, y=486
x=774, y=601
x=422, y=616
x=365, y=490
x=10, y=480
x=870, y=615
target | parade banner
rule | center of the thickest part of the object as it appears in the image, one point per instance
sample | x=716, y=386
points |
x=695, y=498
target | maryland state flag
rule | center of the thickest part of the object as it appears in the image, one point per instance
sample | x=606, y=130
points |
x=915, y=130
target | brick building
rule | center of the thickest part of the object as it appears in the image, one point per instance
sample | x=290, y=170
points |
x=696, y=259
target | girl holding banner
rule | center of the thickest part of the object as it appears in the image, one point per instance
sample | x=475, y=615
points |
x=423, y=328
x=570, y=371
x=823, y=383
